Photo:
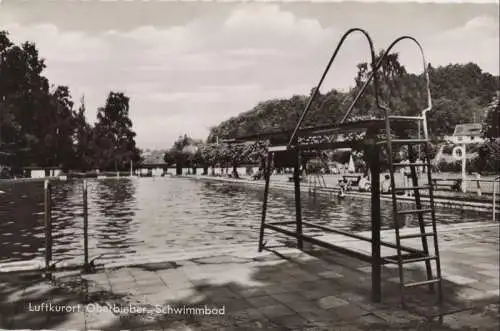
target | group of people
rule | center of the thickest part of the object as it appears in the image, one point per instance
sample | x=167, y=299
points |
x=364, y=185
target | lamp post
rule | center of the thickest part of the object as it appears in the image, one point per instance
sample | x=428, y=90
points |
x=2, y=101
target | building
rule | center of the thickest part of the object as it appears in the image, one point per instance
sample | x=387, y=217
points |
x=469, y=133
x=152, y=164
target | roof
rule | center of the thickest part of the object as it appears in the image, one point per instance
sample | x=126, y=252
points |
x=153, y=157
x=469, y=129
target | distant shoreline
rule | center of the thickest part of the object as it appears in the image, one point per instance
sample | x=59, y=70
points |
x=441, y=201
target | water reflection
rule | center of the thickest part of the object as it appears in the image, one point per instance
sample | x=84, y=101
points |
x=159, y=214
x=21, y=205
x=113, y=203
x=67, y=219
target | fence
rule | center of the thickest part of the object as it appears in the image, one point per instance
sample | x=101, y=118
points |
x=47, y=240
x=48, y=227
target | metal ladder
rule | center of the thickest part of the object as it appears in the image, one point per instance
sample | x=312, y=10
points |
x=316, y=181
x=426, y=256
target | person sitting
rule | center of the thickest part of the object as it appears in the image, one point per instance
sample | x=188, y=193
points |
x=457, y=186
x=347, y=185
x=341, y=194
x=343, y=187
x=5, y=173
x=249, y=171
x=385, y=185
x=343, y=184
x=258, y=175
x=364, y=184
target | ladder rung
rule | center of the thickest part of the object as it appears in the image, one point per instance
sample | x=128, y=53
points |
x=414, y=211
x=406, y=118
x=418, y=164
x=404, y=256
x=416, y=235
x=420, y=259
x=278, y=148
x=412, y=260
x=405, y=141
x=425, y=282
x=412, y=188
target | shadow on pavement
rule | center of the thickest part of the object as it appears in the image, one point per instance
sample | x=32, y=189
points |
x=22, y=294
x=315, y=291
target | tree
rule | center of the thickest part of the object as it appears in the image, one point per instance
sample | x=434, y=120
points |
x=491, y=124
x=209, y=152
x=458, y=91
x=257, y=153
x=198, y=159
x=39, y=126
x=236, y=154
x=83, y=140
x=113, y=135
x=181, y=153
x=24, y=101
x=57, y=145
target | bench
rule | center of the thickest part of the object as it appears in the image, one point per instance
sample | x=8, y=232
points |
x=290, y=179
x=454, y=184
x=353, y=179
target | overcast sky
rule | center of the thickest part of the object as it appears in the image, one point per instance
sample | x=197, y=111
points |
x=187, y=66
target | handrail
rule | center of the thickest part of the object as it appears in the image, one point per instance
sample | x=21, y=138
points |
x=315, y=91
x=373, y=76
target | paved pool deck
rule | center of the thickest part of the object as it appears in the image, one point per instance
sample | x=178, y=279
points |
x=283, y=289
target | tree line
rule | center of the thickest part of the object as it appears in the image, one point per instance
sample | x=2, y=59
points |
x=461, y=93
x=190, y=153
x=41, y=126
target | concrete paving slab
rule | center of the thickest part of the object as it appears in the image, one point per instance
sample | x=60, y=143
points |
x=324, y=291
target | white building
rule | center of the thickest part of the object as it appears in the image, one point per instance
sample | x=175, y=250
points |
x=469, y=133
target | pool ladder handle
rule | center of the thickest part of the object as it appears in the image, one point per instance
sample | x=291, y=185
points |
x=47, y=272
x=91, y=267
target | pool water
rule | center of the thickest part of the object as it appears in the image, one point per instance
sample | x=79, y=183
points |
x=155, y=214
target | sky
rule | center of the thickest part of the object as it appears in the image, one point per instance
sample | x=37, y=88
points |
x=187, y=66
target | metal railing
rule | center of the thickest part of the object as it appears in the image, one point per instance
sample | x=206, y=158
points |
x=49, y=262
x=373, y=75
x=47, y=193
x=88, y=265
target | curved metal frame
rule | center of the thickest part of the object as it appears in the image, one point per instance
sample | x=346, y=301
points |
x=373, y=76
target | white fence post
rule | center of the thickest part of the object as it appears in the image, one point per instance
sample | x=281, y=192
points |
x=494, y=196
x=478, y=178
x=461, y=157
